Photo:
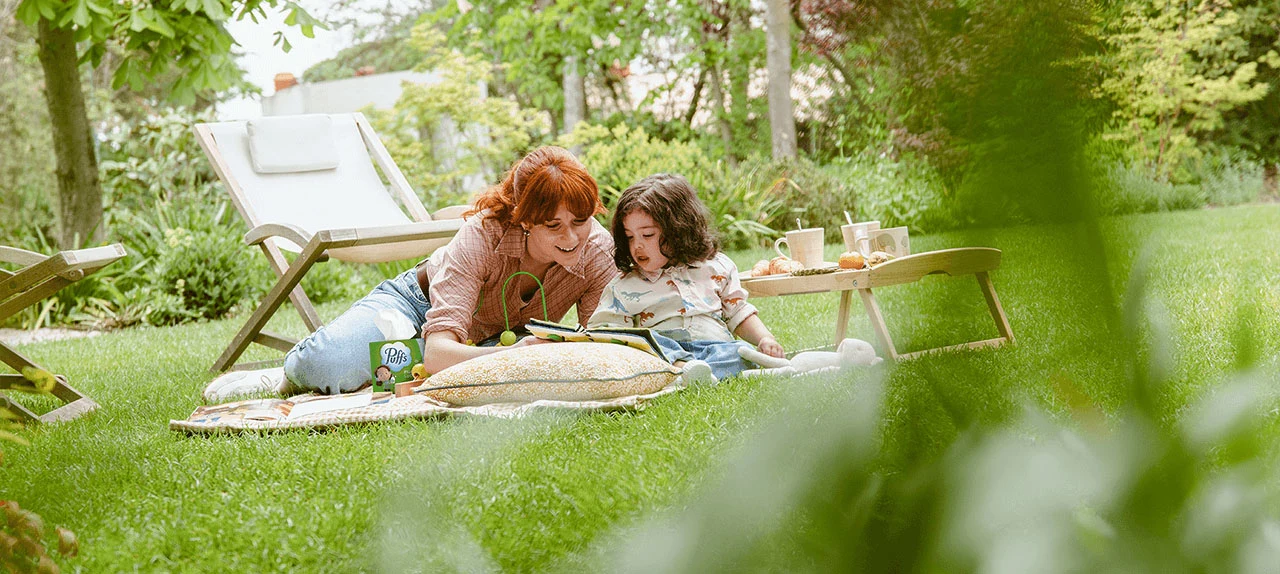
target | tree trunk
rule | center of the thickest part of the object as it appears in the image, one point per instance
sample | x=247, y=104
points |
x=720, y=115
x=782, y=121
x=79, y=193
x=575, y=99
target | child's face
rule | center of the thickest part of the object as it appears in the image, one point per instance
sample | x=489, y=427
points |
x=645, y=240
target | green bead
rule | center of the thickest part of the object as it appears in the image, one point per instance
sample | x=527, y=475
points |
x=508, y=338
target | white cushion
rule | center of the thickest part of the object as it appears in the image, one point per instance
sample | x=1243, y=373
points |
x=555, y=371
x=292, y=144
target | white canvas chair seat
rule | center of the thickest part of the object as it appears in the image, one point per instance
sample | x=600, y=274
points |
x=38, y=279
x=344, y=212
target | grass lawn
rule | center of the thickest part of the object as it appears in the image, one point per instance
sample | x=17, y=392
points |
x=553, y=492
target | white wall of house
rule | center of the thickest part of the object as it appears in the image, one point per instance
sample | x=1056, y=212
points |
x=343, y=96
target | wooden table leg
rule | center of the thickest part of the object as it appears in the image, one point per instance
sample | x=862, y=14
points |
x=993, y=305
x=842, y=320
x=877, y=322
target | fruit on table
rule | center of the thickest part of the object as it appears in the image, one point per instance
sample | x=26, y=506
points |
x=852, y=260
x=508, y=338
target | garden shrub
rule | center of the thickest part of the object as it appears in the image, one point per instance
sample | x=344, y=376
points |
x=741, y=202
x=334, y=280
x=621, y=156
x=212, y=271
x=894, y=192
x=1229, y=177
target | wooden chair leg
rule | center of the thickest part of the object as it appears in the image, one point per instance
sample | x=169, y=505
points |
x=270, y=304
x=297, y=296
x=877, y=323
x=842, y=320
x=76, y=403
x=993, y=305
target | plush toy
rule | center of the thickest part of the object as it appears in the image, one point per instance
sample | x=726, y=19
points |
x=850, y=353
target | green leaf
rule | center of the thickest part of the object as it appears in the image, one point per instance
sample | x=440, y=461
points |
x=137, y=22
x=28, y=12
x=80, y=13
x=159, y=25
x=213, y=8
x=98, y=8
x=282, y=41
x=46, y=10
x=121, y=76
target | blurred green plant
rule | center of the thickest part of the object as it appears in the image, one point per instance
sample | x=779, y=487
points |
x=1084, y=492
x=22, y=532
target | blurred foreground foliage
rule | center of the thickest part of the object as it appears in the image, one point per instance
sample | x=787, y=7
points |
x=23, y=535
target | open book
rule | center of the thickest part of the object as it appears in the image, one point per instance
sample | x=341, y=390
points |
x=642, y=339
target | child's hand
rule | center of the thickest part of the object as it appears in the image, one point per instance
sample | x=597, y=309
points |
x=769, y=346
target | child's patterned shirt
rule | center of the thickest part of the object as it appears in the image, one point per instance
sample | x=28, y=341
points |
x=703, y=301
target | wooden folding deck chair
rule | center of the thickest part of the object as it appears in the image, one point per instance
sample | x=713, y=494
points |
x=39, y=278
x=307, y=184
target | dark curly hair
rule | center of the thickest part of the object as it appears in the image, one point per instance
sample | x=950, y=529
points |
x=685, y=223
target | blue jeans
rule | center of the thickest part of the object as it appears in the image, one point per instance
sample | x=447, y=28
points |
x=335, y=358
x=721, y=355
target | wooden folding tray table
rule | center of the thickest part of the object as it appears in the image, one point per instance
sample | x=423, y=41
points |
x=976, y=261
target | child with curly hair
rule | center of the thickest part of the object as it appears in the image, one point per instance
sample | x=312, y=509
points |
x=676, y=282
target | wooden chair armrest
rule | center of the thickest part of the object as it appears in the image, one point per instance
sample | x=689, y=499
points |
x=20, y=256
x=451, y=212
x=71, y=265
x=284, y=230
x=334, y=238
x=94, y=257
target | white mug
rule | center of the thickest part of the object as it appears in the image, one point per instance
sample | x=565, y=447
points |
x=893, y=241
x=805, y=246
x=856, y=235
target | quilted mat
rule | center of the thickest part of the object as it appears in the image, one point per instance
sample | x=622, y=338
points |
x=322, y=411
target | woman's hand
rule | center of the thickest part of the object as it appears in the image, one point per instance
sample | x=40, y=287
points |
x=769, y=346
x=529, y=340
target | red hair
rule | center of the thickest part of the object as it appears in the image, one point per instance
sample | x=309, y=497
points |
x=536, y=186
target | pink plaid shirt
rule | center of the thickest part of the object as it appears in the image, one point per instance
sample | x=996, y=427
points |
x=467, y=276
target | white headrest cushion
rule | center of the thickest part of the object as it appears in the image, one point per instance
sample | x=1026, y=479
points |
x=292, y=144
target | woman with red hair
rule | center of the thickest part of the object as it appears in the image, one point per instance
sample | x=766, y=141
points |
x=539, y=221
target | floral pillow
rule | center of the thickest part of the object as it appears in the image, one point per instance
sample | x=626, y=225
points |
x=554, y=371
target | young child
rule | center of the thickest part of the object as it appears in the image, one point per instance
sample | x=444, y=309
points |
x=675, y=281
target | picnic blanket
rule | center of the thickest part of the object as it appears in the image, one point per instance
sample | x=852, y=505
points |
x=312, y=411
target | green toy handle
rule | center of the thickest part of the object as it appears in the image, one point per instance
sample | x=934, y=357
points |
x=541, y=291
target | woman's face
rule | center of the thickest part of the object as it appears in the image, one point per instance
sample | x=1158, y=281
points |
x=644, y=238
x=559, y=239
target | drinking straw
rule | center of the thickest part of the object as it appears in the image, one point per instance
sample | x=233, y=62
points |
x=798, y=226
x=848, y=217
